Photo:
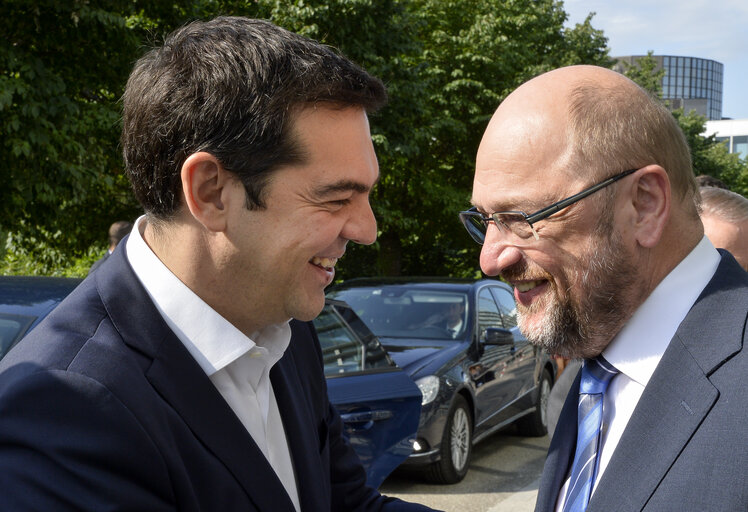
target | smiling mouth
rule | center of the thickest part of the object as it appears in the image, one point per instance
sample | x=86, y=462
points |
x=526, y=286
x=327, y=264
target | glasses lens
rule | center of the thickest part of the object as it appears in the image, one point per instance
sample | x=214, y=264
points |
x=515, y=223
x=475, y=225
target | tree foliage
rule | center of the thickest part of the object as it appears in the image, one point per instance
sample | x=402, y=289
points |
x=645, y=73
x=447, y=65
x=710, y=156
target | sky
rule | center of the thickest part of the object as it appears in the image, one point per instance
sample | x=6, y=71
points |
x=689, y=28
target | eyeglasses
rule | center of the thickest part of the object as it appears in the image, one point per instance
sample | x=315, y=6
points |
x=519, y=223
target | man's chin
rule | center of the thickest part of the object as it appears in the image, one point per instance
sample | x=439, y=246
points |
x=532, y=325
x=310, y=310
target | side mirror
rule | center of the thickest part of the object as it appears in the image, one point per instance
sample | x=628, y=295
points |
x=499, y=336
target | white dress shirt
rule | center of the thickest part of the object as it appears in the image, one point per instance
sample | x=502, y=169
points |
x=237, y=365
x=637, y=349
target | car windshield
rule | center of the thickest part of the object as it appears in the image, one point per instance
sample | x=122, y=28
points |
x=402, y=312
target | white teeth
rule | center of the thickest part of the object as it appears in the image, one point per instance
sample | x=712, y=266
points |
x=328, y=263
x=526, y=286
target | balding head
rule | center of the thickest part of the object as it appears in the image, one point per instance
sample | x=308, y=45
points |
x=593, y=259
x=598, y=123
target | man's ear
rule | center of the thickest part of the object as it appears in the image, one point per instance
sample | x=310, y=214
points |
x=205, y=185
x=650, y=198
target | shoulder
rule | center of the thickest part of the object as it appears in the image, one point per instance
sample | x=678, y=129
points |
x=77, y=343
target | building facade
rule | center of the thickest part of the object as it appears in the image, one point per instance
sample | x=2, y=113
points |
x=733, y=132
x=689, y=82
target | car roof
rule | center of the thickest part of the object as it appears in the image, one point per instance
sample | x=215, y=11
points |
x=33, y=295
x=445, y=283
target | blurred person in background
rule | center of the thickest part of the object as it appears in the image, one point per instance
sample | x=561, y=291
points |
x=725, y=217
x=117, y=231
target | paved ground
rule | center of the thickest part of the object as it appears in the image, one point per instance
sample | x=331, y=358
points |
x=503, y=477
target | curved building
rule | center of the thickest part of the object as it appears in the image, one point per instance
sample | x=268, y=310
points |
x=689, y=82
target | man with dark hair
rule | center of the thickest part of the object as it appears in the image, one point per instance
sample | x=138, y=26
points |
x=585, y=201
x=117, y=231
x=171, y=378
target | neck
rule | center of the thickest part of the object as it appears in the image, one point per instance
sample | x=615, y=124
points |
x=202, y=261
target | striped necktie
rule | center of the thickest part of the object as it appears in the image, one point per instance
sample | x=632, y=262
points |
x=596, y=375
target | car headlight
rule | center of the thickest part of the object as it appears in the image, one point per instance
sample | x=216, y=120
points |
x=429, y=387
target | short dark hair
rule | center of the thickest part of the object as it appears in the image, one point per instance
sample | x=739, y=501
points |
x=119, y=230
x=230, y=87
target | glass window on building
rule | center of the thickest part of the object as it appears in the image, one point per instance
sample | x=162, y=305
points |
x=740, y=145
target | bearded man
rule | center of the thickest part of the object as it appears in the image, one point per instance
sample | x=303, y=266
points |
x=585, y=201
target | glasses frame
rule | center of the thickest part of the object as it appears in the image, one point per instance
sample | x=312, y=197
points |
x=541, y=214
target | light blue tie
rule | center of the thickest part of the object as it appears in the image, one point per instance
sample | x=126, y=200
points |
x=596, y=375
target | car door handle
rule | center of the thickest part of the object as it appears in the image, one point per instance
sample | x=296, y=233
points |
x=366, y=416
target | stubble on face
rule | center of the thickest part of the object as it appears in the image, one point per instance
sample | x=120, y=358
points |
x=583, y=321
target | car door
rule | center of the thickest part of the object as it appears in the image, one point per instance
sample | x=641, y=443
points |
x=492, y=381
x=523, y=362
x=379, y=404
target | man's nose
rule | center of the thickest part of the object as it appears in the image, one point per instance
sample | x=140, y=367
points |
x=498, y=252
x=362, y=226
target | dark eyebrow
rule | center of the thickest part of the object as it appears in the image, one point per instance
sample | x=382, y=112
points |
x=342, y=186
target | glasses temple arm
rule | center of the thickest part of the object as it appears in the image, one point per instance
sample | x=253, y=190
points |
x=550, y=210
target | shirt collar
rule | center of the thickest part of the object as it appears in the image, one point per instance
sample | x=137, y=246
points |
x=211, y=339
x=637, y=349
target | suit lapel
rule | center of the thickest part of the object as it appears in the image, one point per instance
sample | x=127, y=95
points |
x=676, y=400
x=177, y=377
x=185, y=386
x=561, y=451
x=301, y=428
x=679, y=395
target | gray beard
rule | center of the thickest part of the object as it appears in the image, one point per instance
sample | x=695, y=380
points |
x=609, y=294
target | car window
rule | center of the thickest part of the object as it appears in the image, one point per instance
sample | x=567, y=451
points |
x=401, y=312
x=488, y=312
x=507, y=306
x=12, y=328
x=347, y=345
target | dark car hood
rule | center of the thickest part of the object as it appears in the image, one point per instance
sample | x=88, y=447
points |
x=413, y=354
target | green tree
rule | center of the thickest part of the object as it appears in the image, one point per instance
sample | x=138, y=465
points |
x=710, y=156
x=62, y=68
x=645, y=73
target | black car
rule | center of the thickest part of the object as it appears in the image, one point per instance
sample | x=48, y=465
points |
x=459, y=341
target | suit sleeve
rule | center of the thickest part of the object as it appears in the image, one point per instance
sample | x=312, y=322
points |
x=66, y=443
x=349, y=492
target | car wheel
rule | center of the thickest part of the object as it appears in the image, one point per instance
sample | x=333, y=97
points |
x=456, y=445
x=536, y=423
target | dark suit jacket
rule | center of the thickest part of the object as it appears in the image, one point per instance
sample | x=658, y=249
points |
x=96, y=264
x=102, y=408
x=685, y=447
